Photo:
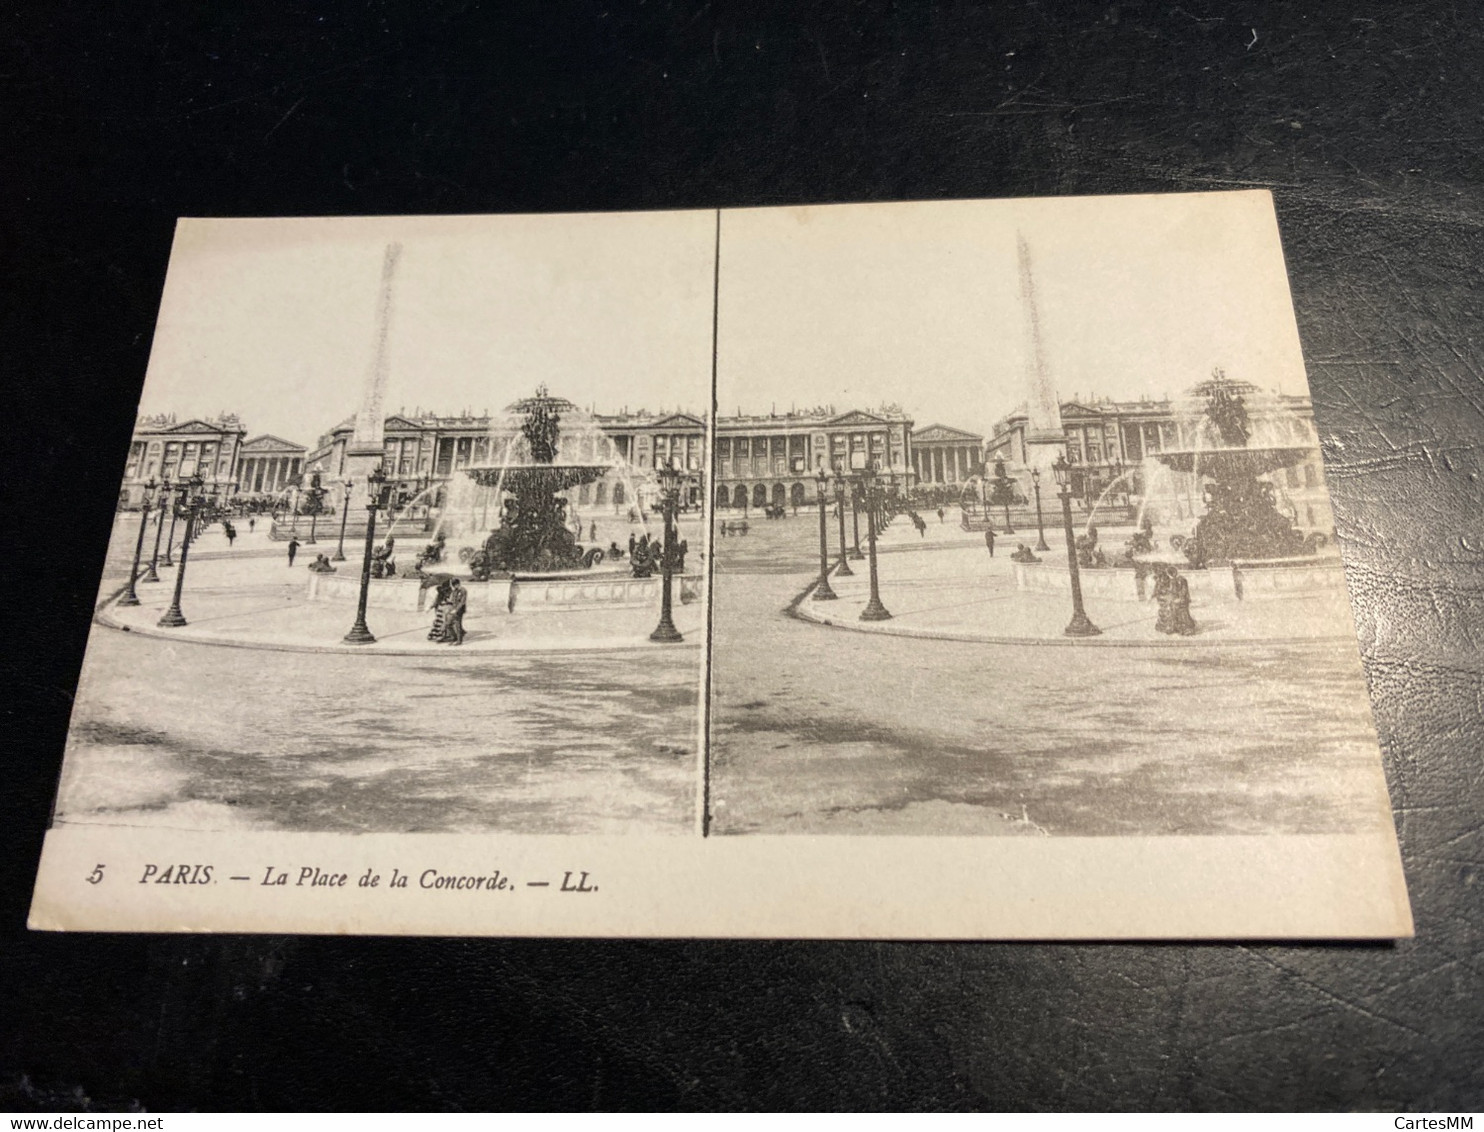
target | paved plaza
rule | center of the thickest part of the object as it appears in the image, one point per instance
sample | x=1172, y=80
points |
x=247, y=595
x=951, y=718
x=950, y=588
x=820, y=730
x=172, y=731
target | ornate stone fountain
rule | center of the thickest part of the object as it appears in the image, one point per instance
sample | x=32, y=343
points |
x=1242, y=521
x=533, y=536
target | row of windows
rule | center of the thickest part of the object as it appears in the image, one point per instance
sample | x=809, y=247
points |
x=741, y=498
x=176, y=459
x=795, y=446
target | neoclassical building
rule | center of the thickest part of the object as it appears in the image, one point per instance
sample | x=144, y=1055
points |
x=942, y=454
x=760, y=460
x=424, y=451
x=269, y=465
x=1108, y=441
x=163, y=448
x=773, y=459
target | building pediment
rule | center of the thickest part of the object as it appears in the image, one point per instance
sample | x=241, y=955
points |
x=269, y=443
x=677, y=420
x=1077, y=409
x=855, y=418
x=947, y=433
x=190, y=426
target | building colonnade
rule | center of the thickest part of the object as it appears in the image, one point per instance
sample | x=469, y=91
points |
x=268, y=474
x=936, y=464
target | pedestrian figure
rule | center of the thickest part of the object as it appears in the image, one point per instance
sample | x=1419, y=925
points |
x=293, y=549
x=231, y=532
x=989, y=540
x=440, y=611
x=632, y=543
x=252, y=523
x=454, y=605
x=592, y=532
x=940, y=514
x=1023, y=553
x=1172, y=592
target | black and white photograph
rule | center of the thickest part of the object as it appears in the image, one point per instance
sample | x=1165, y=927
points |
x=1022, y=529
x=678, y=557
x=631, y=564
x=408, y=537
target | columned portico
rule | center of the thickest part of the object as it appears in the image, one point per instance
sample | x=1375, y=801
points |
x=946, y=455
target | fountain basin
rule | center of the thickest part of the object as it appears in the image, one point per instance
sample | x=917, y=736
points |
x=1243, y=579
x=593, y=590
x=403, y=593
x=521, y=593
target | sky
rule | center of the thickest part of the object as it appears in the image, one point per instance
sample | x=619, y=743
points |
x=276, y=319
x=920, y=304
x=855, y=305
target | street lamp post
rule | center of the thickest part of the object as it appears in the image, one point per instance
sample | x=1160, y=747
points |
x=145, y=506
x=669, y=484
x=822, y=591
x=170, y=538
x=1040, y=526
x=855, y=524
x=889, y=499
x=339, y=555
x=874, y=610
x=315, y=495
x=1079, y=626
x=843, y=570
x=359, y=634
x=173, y=618
x=153, y=574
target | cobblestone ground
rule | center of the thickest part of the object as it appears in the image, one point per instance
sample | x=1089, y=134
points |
x=204, y=737
x=819, y=730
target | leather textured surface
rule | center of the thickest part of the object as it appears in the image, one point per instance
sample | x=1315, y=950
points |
x=1365, y=121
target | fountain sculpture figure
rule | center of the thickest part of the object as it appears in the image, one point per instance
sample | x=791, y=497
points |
x=1242, y=520
x=533, y=535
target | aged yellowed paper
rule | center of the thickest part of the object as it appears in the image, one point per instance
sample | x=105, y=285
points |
x=939, y=570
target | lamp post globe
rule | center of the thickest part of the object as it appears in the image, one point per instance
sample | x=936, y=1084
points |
x=822, y=589
x=1080, y=625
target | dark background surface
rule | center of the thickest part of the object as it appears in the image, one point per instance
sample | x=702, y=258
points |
x=1364, y=119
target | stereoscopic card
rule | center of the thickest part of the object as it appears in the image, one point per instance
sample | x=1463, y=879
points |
x=930, y=570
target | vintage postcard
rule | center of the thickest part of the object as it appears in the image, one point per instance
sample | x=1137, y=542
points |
x=938, y=570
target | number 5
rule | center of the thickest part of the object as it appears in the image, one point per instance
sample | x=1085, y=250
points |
x=96, y=875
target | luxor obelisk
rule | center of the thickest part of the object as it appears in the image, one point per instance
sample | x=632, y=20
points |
x=367, y=443
x=1044, y=439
